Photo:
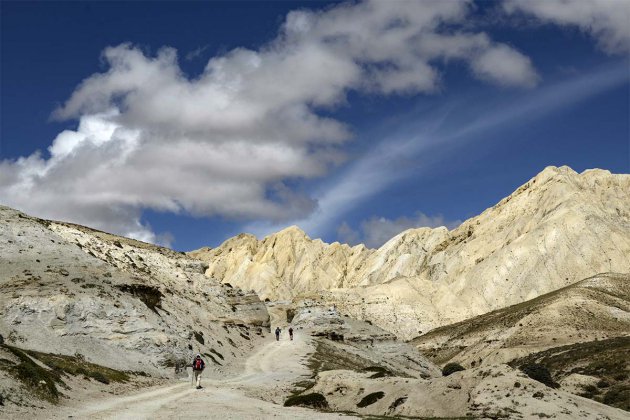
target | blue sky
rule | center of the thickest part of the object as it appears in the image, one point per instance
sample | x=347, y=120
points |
x=186, y=123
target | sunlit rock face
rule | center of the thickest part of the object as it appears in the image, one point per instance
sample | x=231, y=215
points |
x=118, y=302
x=558, y=228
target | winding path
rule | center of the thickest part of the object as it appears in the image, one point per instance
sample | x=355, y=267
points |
x=275, y=364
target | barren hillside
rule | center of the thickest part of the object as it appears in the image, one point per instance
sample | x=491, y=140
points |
x=597, y=308
x=556, y=229
x=114, y=302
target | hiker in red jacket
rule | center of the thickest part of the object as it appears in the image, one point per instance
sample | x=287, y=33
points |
x=198, y=366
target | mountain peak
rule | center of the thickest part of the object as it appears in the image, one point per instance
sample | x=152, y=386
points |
x=553, y=172
x=292, y=231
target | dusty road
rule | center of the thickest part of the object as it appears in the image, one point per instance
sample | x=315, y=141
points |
x=271, y=369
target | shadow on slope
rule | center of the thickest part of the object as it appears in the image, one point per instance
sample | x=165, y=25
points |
x=40, y=374
x=608, y=361
x=592, y=309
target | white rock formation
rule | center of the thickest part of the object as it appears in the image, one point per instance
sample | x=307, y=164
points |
x=282, y=265
x=120, y=303
x=556, y=229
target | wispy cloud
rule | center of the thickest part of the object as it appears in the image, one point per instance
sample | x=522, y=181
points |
x=384, y=164
x=196, y=53
x=608, y=21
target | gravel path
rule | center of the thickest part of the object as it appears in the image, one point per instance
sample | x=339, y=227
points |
x=276, y=365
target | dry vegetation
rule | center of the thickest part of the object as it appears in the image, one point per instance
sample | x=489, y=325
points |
x=606, y=360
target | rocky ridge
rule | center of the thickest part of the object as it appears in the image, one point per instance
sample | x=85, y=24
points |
x=554, y=230
x=282, y=265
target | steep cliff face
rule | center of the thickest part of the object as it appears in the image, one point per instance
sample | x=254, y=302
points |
x=556, y=229
x=283, y=265
x=120, y=303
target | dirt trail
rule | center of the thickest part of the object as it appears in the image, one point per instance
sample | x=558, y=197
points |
x=274, y=366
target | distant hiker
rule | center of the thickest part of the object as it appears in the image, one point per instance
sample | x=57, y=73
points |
x=291, y=333
x=278, y=333
x=198, y=366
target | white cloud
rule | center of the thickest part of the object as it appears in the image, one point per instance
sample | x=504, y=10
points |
x=608, y=21
x=227, y=142
x=505, y=66
x=375, y=231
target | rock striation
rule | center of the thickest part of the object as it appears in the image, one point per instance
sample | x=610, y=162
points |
x=283, y=265
x=120, y=303
x=556, y=229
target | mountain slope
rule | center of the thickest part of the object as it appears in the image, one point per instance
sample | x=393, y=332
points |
x=554, y=230
x=597, y=308
x=120, y=303
x=599, y=370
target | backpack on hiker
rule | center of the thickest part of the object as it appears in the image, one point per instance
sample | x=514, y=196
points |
x=198, y=364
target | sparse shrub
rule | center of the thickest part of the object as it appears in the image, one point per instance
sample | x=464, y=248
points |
x=217, y=353
x=211, y=357
x=150, y=296
x=36, y=378
x=603, y=384
x=618, y=396
x=98, y=376
x=538, y=395
x=199, y=337
x=590, y=391
x=539, y=373
x=379, y=372
x=313, y=400
x=398, y=402
x=334, y=336
x=451, y=368
x=77, y=365
x=370, y=399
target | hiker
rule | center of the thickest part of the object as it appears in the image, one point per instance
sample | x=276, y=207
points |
x=278, y=333
x=198, y=366
x=291, y=333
